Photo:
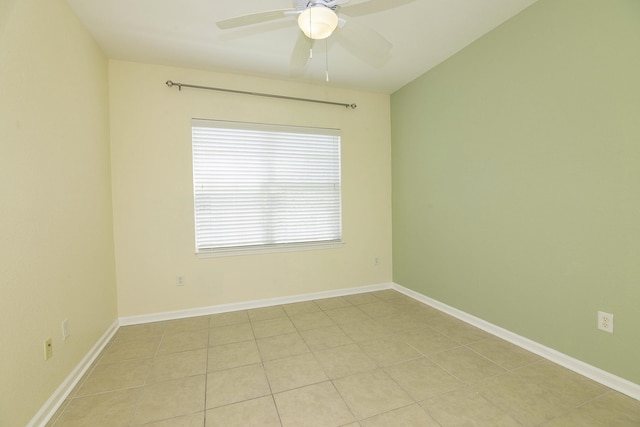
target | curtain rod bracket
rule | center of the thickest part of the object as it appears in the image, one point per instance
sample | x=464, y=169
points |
x=267, y=95
x=170, y=84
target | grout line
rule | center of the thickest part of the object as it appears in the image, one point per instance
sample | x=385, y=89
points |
x=206, y=373
x=136, y=406
x=344, y=401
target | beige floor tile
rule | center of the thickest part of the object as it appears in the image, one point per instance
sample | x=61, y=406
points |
x=315, y=405
x=188, y=324
x=346, y=315
x=331, y=303
x=99, y=360
x=378, y=309
x=85, y=377
x=234, y=355
x=569, y=388
x=466, y=365
x=427, y=341
x=387, y=294
x=365, y=330
x=503, y=353
x=230, y=334
x=298, y=308
x=527, y=403
x=306, y=321
x=422, y=379
x=459, y=330
x=293, y=372
x=173, y=342
x=226, y=319
x=131, y=349
x=419, y=312
x=116, y=376
x=346, y=360
x=146, y=330
x=408, y=303
x=358, y=299
x=193, y=420
x=324, y=338
x=259, y=412
x=112, y=409
x=613, y=409
x=579, y=418
x=266, y=313
x=403, y=321
x=409, y=416
x=371, y=393
x=178, y=365
x=272, y=327
x=467, y=407
x=170, y=399
x=428, y=314
x=236, y=385
x=281, y=346
x=388, y=351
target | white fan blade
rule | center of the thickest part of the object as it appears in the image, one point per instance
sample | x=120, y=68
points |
x=365, y=43
x=364, y=37
x=254, y=18
x=373, y=6
x=301, y=51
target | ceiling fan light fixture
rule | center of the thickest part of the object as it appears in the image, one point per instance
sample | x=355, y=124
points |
x=317, y=22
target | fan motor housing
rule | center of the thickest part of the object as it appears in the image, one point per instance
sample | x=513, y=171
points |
x=303, y=4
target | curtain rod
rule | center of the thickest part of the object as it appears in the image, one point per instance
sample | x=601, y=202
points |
x=181, y=85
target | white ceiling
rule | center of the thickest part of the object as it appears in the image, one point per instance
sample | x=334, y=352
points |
x=183, y=33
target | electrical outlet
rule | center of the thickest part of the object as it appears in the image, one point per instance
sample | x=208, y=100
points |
x=605, y=321
x=65, y=329
x=48, y=349
x=376, y=261
x=180, y=280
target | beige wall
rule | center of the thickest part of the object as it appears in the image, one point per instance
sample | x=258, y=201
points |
x=153, y=200
x=56, y=245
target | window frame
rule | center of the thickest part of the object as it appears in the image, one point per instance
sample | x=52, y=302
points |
x=273, y=130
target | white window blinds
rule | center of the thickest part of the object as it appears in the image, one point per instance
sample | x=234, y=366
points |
x=264, y=186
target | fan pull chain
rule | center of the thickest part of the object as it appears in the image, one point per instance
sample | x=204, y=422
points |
x=326, y=50
x=311, y=34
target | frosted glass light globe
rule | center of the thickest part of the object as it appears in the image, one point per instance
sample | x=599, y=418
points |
x=317, y=22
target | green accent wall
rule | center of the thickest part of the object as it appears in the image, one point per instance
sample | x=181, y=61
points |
x=516, y=179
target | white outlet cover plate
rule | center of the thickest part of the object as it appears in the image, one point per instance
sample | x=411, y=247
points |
x=605, y=321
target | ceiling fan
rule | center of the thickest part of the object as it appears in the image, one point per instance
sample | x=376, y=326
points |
x=319, y=19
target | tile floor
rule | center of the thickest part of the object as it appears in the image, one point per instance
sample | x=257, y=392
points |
x=375, y=359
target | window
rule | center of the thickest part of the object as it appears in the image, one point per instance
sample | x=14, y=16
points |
x=265, y=187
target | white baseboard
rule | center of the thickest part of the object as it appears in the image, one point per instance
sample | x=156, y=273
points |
x=62, y=392
x=603, y=377
x=225, y=308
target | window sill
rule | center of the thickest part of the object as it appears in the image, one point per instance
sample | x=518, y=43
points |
x=256, y=250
